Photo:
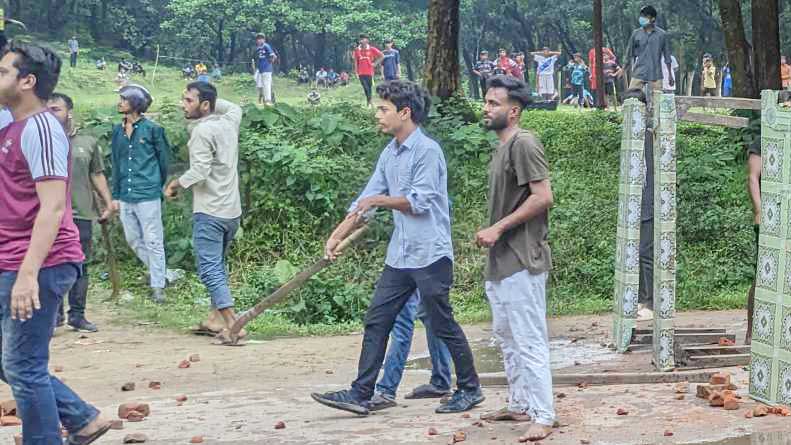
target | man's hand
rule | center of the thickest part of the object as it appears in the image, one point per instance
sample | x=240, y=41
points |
x=366, y=204
x=671, y=81
x=172, y=190
x=329, y=249
x=24, y=297
x=106, y=215
x=488, y=237
x=116, y=205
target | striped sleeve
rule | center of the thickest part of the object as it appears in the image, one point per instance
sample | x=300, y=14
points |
x=46, y=148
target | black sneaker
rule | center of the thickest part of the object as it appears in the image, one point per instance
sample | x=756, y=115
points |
x=59, y=322
x=427, y=391
x=82, y=325
x=158, y=295
x=462, y=400
x=381, y=401
x=342, y=400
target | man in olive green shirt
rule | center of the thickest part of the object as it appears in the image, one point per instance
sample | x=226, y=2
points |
x=87, y=178
x=519, y=260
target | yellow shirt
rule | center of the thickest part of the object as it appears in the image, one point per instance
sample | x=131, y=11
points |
x=709, y=77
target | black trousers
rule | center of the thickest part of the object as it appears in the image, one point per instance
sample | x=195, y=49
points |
x=78, y=295
x=367, y=83
x=394, y=288
x=73, y=60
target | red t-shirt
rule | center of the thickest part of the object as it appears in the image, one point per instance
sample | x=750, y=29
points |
x=32, y=150
x=364, y=59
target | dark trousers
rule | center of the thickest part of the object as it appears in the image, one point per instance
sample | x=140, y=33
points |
x=367, y=83
x=78, y=295
x=646, y=290
x=580, y=93
x=483, y=81
x=394, y=289
x=73, y=60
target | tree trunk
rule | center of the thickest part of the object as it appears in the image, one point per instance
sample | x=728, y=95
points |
x=766, y=45
x=469, y=62
x=738, y=50
x=232, y=49
x=219, y=45
x=442, y=52
x=598, y=42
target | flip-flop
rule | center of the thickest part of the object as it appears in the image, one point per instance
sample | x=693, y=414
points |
x=202, y=330
x=506, y=415
x=76, y=439
x=426, y=392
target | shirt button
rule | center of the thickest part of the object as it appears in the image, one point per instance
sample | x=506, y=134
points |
x=130, y=145
x=130, y=158
x=129, y=190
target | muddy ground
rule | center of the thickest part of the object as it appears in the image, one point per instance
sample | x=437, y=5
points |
x=236, y=395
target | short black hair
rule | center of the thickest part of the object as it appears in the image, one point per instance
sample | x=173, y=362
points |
x=40, y=62
x=362, y=36
x=260, y=36
x=406, y=94
x=518, y=91
x=206, y=92
x=389, y=41
x=648, y=11
x=65, y=98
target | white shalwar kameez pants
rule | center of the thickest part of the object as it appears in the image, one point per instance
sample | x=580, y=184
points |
x=519, y=322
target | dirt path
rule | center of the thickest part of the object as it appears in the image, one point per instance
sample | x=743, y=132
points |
x=236, y=395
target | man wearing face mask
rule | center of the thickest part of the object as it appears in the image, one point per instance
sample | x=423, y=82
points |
x=646, y=47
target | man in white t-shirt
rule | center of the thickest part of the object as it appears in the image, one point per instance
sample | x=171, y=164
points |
x=545, y=71
x=666, y=87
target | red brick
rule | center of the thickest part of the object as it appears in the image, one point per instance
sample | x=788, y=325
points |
x=725, y=341
x=432, y=431
x=721, y=378
x=716, y=399
x=730, y=403
x=135, y=416
x=682, y=387
x=760, y=411
x=668, y=433
x=458, y=436
x=184, y=364
x=280, y=425
x=196, y=439
x=126, y=408
x=748, y=414
x=181, y=398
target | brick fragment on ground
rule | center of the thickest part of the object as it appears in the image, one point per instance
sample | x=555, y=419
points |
x=154, y=385
x=432, y=431
x=135, y=416
x=128, y=386
x=716, y=399
x=10, y=421
x=184, y=364
x=280, y=425
x=57, y=368
x=561, y=395
x=680, y=396
x=585, y=442
x=730, y=403
x=181, y=398
x=196, y=439
x=748, y=414
x=720, y=378
x=140, y=408
x=725, y=341
x=116, y=424
x=668, y=433
x=135, y=438
x=621, y=412
x=8, y=408
x=465, y=416
x=194, y=358
x=704, y=391
x=682, y=387
x=458, y=436
x=478, y=423
x=760, y=411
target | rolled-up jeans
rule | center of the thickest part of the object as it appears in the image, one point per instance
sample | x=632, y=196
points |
x=211, y=237
x=43, y=401
x=401, y=343
x=145, y=235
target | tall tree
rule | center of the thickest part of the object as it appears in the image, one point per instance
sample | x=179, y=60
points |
x=738, y=49
x=598, y=43
x=442, y=51
x=766, y=45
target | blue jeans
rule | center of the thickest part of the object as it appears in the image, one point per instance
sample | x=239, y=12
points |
x=142, y=222
x=401, y=343
x=211, y=237
x=43, y=401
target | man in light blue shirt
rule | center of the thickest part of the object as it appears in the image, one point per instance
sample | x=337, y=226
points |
x=410, y=179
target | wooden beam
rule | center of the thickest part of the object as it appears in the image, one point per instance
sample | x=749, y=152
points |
x=716, y=119
x=610, y=378
x=737, y=103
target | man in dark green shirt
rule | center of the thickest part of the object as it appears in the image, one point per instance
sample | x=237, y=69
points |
x=140, y=154
x=87, y=179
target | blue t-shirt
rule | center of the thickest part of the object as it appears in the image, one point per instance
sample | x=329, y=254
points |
x=578, y=74
x=390, y=63
x=264, y=53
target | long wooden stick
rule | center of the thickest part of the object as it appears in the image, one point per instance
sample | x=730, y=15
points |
x=231, y=336
x=115, y=279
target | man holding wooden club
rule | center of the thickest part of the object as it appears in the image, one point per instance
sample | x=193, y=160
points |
x=410, y=179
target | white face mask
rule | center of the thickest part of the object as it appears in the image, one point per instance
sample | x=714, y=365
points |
x=644, y=21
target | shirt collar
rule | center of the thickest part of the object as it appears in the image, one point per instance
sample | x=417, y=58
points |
x=409, y=142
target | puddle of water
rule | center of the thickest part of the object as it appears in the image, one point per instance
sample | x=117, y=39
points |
x=563, y=353
x=774, y=438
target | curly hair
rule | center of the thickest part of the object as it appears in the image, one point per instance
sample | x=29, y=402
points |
x=406, y=94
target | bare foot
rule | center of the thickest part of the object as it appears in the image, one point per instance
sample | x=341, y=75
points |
x=536, y=432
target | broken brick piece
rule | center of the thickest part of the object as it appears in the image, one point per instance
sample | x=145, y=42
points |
x=181, y=398
x=682, y=387
x=140, y=408
x=184, y=364
x=478, y=423
x=720, y=378
x=196, y=439
x=135, y=416
x=128, y=386
x=668, y=433
x=716, y=399
x=194, y=358
x=135, y=438
x=622, y=412
x=280, y=425
x=10, y=421
x=784, y=411
x=760, y=411
x=725, y=341
x=432, y=431
x=730, y=403
x=458, y=436
x=154, y=385
x=748, y=414
x=680, y=396
x=465, y=416
x=116, y=424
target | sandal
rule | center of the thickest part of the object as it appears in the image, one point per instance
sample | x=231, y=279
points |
x=77, y=439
